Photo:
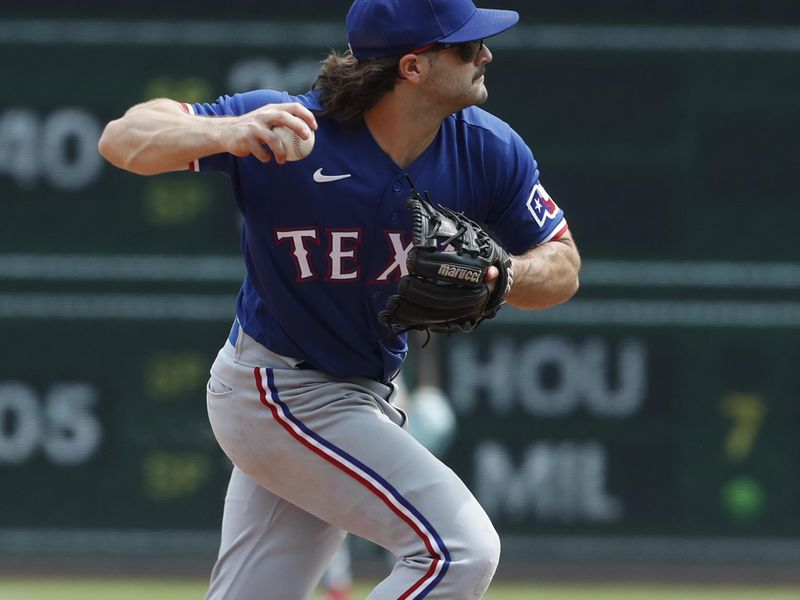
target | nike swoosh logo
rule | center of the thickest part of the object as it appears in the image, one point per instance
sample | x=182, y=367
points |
x=320, y=178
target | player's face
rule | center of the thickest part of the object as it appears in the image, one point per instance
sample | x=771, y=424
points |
x=457, y=74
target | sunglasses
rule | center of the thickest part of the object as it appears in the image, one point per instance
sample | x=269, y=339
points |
x=467, y=51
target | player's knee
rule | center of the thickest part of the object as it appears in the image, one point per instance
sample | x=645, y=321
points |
x=476, y=562
x=486, y=555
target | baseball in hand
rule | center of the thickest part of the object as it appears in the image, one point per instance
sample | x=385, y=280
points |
x=296, y=147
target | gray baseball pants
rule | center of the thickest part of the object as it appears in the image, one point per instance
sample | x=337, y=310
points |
x=315, y=457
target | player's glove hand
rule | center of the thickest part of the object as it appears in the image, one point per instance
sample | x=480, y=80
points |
x=446, y=289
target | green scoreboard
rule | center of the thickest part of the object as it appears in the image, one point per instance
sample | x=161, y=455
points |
x=661, y=403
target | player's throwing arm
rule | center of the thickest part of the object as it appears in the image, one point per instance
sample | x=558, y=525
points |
x=162, y=135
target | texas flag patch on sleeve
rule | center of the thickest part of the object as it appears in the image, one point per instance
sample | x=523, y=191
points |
x=544, y=209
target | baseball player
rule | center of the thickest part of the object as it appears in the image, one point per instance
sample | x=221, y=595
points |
x=300, y=395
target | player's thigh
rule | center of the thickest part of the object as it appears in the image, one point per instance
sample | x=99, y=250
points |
x=353, y=465
x=408, y=500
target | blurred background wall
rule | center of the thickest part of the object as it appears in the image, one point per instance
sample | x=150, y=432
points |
x=652, y=419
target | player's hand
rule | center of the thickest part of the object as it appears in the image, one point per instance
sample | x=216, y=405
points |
x=493, y=273
x=252, y=133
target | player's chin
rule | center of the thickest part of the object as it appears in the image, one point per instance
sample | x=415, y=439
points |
x=476, y=97
x=481, y=95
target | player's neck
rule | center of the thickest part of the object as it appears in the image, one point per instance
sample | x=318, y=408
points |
x=401, y=129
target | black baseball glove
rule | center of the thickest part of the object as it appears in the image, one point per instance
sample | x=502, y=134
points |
x=445, y=290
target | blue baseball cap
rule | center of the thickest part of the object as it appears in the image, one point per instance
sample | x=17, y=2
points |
x=383, y=28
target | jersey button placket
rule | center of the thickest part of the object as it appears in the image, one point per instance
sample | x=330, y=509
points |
x=395, y=216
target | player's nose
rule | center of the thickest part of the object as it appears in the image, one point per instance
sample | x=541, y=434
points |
x=484, y=55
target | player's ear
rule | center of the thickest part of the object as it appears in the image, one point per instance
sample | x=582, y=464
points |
x=411, y=66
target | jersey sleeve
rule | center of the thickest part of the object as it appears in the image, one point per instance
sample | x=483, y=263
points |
x=523, y=214
x=229, y=106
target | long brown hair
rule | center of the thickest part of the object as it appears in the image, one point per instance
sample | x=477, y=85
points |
x=349, y=87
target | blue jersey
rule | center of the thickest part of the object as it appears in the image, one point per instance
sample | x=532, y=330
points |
x=325, y=238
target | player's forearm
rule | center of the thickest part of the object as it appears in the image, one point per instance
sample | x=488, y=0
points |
x=159, y=136
x=546, y=275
